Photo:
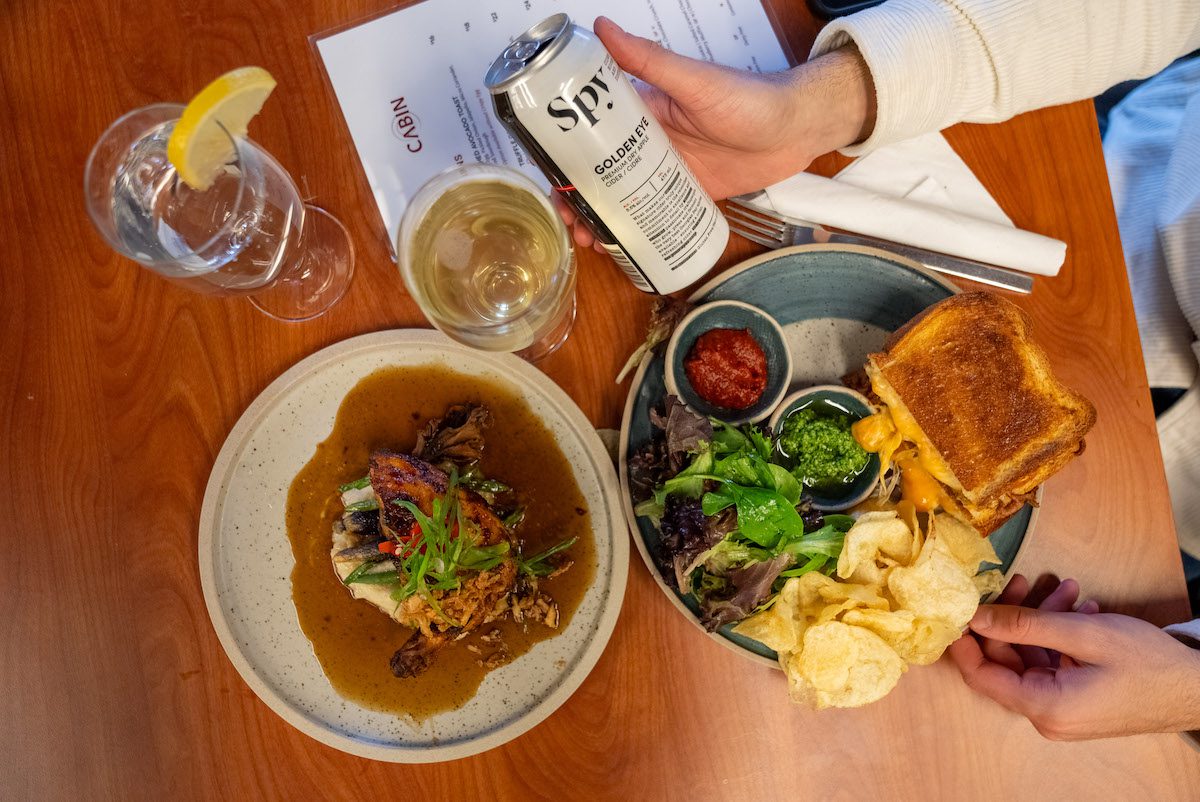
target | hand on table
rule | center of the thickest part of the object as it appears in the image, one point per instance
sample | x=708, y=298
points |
x=1077, y=673
x=740, y=131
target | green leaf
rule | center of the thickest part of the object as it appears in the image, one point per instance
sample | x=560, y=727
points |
x=785, y=484
x=726, y=439
x=714, y=502
x=814, y=564
x=651, y=508
x=730, y=553
x=690, y=481
x=840, y=522
x=764, y=515
x=760, y=442
x=825, y=541
x=738, y=467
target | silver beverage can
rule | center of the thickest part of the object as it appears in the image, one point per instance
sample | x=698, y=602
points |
x=561, y=95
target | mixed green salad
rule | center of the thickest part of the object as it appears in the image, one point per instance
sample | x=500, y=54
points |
x=733, y=524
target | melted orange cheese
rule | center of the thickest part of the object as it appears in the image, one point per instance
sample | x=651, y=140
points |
x=918, y=486
x=877, y=434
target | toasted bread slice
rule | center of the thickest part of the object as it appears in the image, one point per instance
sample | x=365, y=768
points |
x=984, y=401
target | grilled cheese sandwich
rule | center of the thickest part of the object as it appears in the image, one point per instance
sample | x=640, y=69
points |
x=970, y=393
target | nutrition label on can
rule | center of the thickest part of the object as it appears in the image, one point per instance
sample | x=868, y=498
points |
x=669, y=209
x=622, y=259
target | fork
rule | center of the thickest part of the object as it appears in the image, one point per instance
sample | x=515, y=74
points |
x=777, y=231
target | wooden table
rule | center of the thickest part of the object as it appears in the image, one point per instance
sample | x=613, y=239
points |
x=118, y=390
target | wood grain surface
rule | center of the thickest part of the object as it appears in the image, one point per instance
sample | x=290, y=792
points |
x=117, y=390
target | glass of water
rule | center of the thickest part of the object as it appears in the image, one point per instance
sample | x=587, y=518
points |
x=247, y=234
x=489, y=261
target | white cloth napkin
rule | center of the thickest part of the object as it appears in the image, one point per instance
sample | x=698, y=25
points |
x=919, y=193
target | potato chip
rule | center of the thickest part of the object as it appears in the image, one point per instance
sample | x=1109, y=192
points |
x=872, y=534
x=902, y=598
x=917, y=641
x=963, y=542
x=989, y=583
x=843, y=666
x=869, y=573
x=908, y=513
x=800, y=689
x=891, y=625
x=803, y=592
x=937, y=588
x=862, y=595
x=776, y=628
x=929, y=640
x=832, y=611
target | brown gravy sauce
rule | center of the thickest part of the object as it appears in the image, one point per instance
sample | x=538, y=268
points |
x=353, y=640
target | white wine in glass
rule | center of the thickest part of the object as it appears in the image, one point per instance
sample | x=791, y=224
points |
x=489, y=261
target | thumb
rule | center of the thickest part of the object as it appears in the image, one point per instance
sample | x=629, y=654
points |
x=679, y=76
x=1073, y=634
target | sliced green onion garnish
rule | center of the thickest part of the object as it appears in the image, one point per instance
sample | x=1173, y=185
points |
x=537, y=566
x=357, y=484
x=363, y=506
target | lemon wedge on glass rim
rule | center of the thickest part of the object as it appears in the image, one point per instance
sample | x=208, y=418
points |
x=200, y=145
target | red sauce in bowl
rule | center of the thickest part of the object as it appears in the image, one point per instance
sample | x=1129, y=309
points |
x=727, y=368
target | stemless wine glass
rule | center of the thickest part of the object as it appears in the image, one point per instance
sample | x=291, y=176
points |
x=489, y=261
x=248, y=234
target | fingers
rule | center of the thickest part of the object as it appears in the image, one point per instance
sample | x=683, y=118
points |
x=1021, y=693
x=1000, y=652
x=1089, y=607
x=994, y=680
x=581, y=235
x=564, y=211
x=1062, y=599
x=678, y=76
x=1066, y=632
x=579, y=231
x=1015, y=591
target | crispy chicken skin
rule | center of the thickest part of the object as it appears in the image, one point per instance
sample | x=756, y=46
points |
x=396, y=477
x=482, y=597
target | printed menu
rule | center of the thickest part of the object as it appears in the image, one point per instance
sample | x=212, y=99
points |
x=410, y=83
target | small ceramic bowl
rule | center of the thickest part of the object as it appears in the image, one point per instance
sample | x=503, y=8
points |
x=729, y=315
x=843, y=399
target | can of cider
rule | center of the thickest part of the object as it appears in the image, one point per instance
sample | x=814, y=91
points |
x=561, y=95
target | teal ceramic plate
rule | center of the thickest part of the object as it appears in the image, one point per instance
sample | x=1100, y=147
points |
x=836, y=304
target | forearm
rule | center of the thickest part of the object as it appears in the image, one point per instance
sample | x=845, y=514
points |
x=939, y=62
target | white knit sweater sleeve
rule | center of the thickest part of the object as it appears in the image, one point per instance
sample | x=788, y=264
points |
x=939, y=62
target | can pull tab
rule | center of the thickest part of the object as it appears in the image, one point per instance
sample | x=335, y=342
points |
x=521, y=51
x=525, y=49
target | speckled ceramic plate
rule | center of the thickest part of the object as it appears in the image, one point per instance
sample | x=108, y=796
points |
x=246, y=564
x=836, y=304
